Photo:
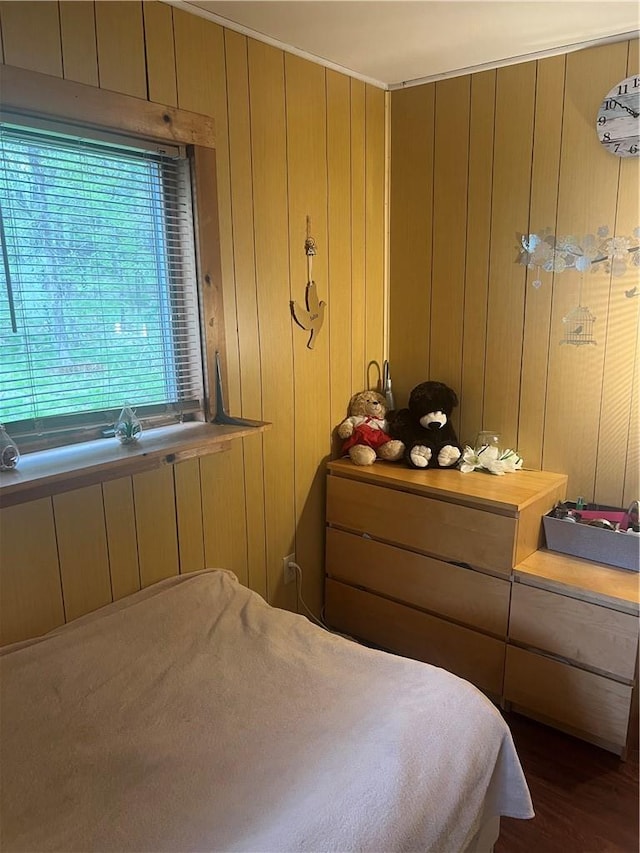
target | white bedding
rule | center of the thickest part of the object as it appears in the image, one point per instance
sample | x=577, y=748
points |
x=194, y=717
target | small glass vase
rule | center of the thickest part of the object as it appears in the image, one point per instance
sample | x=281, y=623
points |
x=487, y=438
x=128, y=428
x=9, y=453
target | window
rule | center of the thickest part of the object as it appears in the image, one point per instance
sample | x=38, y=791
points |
x=98, y=298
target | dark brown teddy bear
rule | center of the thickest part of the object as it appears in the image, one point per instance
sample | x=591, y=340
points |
x=425, y=427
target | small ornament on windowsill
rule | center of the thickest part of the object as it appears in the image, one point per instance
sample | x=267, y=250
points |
x=128, y=428
x=9, y=453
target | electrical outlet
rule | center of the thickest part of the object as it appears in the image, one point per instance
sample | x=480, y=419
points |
x=288, y=572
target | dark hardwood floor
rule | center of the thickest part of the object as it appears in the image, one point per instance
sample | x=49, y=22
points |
x=585, y=799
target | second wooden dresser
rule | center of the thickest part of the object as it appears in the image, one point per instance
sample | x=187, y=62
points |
x=420, y=562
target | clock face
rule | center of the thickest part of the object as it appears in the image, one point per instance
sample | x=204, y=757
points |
x=618, y=121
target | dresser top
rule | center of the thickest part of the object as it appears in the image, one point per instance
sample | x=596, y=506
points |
x=585, y=579
x=508, y=494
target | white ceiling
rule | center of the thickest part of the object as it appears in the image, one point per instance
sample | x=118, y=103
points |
x=394, y=42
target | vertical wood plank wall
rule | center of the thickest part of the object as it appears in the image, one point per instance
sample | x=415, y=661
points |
x=474, y=161
x=293, y=140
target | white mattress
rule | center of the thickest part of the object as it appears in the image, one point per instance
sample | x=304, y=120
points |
x=194, y=717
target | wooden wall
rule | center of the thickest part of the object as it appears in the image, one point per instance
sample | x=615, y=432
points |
x=475, y=160
x=293, y=140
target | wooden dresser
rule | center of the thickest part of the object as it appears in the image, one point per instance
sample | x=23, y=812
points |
x=445, y=567
x=572, y=654
x=420, y=562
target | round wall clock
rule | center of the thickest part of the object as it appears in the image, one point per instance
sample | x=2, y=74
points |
x=618, y=121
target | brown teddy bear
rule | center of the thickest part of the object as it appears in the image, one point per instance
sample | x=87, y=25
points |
x=365, y=431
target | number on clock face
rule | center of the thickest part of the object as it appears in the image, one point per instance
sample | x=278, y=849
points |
x=618, y=120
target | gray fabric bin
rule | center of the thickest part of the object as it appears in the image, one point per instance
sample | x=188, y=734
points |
x=593, y=543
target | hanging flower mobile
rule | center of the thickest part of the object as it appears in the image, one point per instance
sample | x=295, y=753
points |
x=545, y=251
x=589, y=253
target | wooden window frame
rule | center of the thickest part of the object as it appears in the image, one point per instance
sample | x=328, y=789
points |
x=35, y=95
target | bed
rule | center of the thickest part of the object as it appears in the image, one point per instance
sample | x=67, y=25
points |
x=192, y=716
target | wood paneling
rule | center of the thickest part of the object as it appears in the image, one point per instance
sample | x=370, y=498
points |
x=307, y=184
x=410, y=249
x=631, y=479
x=339, y=241
x=478, y=245
x=30, y=590
x=587, y=198
x=632, y=472
x=79, y=49
x=186, y=477
x=82, y=549
x=160, y=53
x=616, y=415
x=223, y=513
x=31, y=36
x=120, y=38
x=450, y=188
x=194, y=40
x=358, y=236
x=246, y=299
x=534, y=161
x=156, y=525
x=543, y=209
x=122, y=543
x=374, y=229
x=216, y=69
x=308, y=142
x=513, y=143
x=271, y=246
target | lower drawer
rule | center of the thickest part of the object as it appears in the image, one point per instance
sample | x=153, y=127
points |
x=475, y=599
x=587, y=703
x=586, y=633
x=418, y=635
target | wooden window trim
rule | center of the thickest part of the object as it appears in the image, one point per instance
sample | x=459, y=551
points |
x=47, y=472
x=41, y=96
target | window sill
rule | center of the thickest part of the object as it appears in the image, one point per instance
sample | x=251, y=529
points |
x=49, y=472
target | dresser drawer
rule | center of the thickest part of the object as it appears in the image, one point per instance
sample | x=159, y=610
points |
x=478, y=600
x=459, y=533
x=587, y=633
x=414, y=634
x=582, y=701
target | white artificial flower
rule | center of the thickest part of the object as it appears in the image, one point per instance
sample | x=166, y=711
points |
x=490, y=458
x=511, y=461
x=470, y=460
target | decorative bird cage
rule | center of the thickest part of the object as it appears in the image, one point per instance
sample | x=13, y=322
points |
x=613, y=256
x=578, y=325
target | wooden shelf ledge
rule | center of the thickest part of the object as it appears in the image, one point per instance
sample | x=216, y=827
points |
x=597, y=583
x=49, y=472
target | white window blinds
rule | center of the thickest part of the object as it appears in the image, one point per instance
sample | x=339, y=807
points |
x=98, y=298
